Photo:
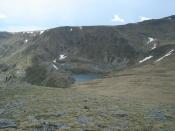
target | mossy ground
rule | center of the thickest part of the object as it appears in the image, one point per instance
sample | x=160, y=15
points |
x=33, y=106
x=136, y=99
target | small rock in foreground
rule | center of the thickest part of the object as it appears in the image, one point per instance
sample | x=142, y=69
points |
x=7, y=123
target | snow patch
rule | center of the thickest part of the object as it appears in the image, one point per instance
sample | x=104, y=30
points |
x=145, y=59
x=62, y=57
x=26, y=41
x=169, y=18
x=71, y=29
x=154, y=46
x=54, y=66
x=41, y=32
x=54, y=61
x=13, y=32
x=150, y=39
x=168, y=54
x=81, y=28
x=30, y=32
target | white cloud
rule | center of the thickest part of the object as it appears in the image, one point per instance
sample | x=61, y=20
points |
x=23, y=14
x=142, y=18
x=37, y=9
x=117, y=18
x=3, y=16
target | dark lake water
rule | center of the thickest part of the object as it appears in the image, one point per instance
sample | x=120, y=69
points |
x=85, y=77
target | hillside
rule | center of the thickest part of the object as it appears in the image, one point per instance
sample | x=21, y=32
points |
x=134, y=99
x=61, y=51
x=136, y=92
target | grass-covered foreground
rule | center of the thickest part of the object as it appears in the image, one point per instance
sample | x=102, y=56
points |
x=133, y=100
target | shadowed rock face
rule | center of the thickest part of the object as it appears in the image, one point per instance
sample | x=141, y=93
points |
x=98, y=49
x=88, y=48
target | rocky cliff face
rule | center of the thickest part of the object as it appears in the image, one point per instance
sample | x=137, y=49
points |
x=96, y=49
x=61, y=51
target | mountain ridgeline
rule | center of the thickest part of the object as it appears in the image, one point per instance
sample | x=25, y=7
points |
x=48, y=58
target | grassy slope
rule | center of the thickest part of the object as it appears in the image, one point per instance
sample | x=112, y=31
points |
x=139, y=98
x=150, y=82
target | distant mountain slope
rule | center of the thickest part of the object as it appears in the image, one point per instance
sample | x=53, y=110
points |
x=65, y=50
x=160, y=29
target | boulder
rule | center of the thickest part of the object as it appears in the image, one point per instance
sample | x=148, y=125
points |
x=7, y=123
x=4, y=67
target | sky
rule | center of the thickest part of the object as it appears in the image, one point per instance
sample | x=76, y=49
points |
x=28, y=15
